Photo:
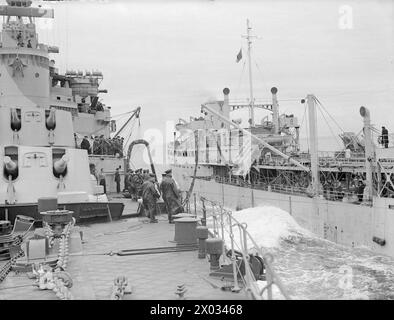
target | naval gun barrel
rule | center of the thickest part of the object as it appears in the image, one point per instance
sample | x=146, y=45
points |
x=51, y=120
x=60, y=165
x=10, y=165
x=16, y=123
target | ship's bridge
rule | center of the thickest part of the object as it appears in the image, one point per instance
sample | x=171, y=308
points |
x=24, y=62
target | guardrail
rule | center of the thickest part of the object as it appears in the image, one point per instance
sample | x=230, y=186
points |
x=326, y=193
x=224, y=224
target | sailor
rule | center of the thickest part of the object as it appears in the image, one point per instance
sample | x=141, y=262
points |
x=96, y=145
x=121, y=143
x=19, y=37
x=385, y=137
x=130, y=185
x=338, y=190
x=85, y=144
x=29, y=43
x=145, y=174
x=111, y=147
x=133, y=186
x=150, y=196
x=100, y=145
x=99, y=106
x=117, y=180
x=171, y=195
x=127, y=180
x=360, y=190
x=101, y=179
x=136, y=183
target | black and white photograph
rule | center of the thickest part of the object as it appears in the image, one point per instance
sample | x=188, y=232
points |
x=196, y=154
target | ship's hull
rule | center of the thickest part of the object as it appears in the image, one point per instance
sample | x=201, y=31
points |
x=344, y=223
x=82, y=212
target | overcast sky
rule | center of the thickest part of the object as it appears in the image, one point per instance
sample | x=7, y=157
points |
x=170, y=56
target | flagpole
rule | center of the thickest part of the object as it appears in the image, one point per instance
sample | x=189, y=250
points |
x=248, y=38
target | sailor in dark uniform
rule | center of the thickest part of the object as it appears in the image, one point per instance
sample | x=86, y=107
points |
x=150, y=196
x=385, y=137
x=171, y=195
x=117, y=180
x=85, y=144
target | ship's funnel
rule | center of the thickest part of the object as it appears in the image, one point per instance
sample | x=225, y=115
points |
x=61, y=165
x=275, y=110
x=10, y=166
x=51, y=120
x=16, y=123
x=364, y=112
x=225, y=110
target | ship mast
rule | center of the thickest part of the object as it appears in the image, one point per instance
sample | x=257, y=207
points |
x=248, y=38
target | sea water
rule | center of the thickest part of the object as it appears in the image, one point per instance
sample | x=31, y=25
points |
x=314, y=268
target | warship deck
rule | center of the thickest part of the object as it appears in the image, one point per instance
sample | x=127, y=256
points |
x=151, y=276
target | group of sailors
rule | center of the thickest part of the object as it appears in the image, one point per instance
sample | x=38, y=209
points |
x=103, y=146
x=21, y=43
x=334, y=190
x=143, y=184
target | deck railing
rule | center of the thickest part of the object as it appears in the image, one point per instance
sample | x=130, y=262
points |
x=328, y=194
x=226, y=227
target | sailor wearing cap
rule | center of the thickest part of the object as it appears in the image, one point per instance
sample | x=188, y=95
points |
x=171, y=195
x=150, y=196
x=136, y=185
x=85, y=144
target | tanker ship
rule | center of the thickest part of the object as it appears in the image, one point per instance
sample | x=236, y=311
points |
x=43, y=115
x=345, y=196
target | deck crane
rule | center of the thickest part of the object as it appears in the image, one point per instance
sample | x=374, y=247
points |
x=136, y=114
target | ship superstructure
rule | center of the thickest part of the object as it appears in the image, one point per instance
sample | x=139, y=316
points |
x=345, y=196
x=41, y=113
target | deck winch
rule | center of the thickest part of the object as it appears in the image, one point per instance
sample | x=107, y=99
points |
x=214, y=248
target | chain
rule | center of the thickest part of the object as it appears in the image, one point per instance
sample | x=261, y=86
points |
x=49, y=234
x=57, y=279
x=5, y=270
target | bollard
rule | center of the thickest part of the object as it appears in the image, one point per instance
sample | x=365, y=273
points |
x=185, y=231
x=202, y=236
x=214, y=248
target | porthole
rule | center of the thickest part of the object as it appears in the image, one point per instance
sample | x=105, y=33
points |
x=37, y=74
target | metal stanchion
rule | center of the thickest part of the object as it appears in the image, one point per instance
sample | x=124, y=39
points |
x=236, y=287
